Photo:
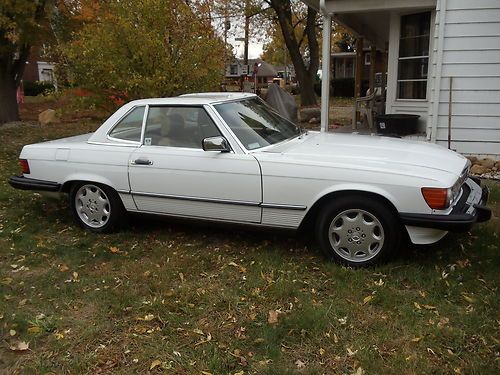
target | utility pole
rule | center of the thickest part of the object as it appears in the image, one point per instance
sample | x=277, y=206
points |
x=247, y=30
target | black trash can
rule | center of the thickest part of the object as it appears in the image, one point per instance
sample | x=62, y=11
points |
x=398, y=123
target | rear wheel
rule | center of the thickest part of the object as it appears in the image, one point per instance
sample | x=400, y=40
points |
x=96, y=207
x=358, y=231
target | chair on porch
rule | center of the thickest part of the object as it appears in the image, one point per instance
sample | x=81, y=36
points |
x=365, y=105
x=368, y=106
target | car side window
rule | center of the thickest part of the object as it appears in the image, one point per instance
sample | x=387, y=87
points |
x=129, y=128
x=178, y=127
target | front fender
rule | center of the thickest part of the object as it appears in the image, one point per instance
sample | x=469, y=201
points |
x=359, y=187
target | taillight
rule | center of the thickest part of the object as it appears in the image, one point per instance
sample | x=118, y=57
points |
x=25, y=167
x=436, y=198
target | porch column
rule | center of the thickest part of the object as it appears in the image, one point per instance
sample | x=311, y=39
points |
x=325, y=72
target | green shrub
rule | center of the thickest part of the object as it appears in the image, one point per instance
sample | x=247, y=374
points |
x=37, y=88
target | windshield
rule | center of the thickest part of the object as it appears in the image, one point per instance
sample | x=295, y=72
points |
x=255, y=123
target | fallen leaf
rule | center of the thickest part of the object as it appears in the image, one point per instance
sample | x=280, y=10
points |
x=429, y=307
x=114, y=250
x=19, y=346
x=300, y=365
x=417, y=306
x=367, y=299
x=442, y=322
x=416, y=339
x=63, y=268
x=343, y=320
x=154, y=364
x=467, y=298
x=239, y=373
x=272, y=317
x=12, y=332
x=241, y=268
x=265, y=362
x=208, y=339
x=23, y=302
x=206, y=373
x=359, y=371
x=147, y=318
x=322, y=351
x=34, y=329
x=350, y=353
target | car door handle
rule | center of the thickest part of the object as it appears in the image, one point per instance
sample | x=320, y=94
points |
x=142, y=162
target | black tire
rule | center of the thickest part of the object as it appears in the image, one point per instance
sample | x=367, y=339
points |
x=362, y=240
x=108, y=204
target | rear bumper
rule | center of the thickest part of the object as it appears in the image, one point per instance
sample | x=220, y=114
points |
x=25, y=183
x=470, y=209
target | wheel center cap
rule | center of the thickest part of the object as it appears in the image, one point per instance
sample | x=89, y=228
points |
x=356, y=237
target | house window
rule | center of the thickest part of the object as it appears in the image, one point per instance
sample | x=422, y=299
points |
x=233, y=69
x=414, y=56
x=368, y=58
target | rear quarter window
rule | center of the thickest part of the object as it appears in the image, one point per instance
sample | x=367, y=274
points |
x=129, y=127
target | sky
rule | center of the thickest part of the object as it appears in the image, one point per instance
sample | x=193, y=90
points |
x=254, y=48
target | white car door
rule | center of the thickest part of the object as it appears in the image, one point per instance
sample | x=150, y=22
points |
x=171, y=174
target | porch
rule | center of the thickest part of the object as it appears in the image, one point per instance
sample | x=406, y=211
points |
x=400, y=33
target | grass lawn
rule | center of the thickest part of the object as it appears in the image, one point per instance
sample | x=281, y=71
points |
x=170, y=297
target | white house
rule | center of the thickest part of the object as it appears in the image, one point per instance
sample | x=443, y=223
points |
x=429, y=44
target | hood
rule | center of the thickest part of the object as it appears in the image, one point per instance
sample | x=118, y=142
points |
x=393, y=155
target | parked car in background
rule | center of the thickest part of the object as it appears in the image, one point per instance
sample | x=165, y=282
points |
x=229, y=157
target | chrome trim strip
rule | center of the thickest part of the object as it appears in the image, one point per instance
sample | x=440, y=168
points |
x=197, y=199
x=216, y=200
x=135, y=144
x=283, y=206
x=143, y=126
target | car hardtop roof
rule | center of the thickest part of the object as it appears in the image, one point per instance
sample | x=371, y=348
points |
x=195, y=99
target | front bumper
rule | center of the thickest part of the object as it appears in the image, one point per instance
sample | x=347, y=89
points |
x=470, y=209
x=25, y=183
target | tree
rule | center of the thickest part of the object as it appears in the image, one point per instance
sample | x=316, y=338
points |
x=21, y=22
x=145, y=48
x=305, y=62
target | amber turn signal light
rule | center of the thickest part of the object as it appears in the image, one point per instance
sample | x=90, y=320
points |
x=436, y=198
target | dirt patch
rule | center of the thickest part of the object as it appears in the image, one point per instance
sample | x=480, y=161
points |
x=66, y=110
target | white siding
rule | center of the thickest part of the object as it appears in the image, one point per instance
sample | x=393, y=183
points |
x=471, y=55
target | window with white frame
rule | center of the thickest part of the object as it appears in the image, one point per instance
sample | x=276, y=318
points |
x=414, y=56
x=368, y=58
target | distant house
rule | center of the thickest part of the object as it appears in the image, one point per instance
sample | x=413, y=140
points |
x=443, y=64
x=265, y=72
x=38, y=70
x=343, y=64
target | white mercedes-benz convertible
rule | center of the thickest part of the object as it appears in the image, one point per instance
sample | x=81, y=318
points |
x=231, y=158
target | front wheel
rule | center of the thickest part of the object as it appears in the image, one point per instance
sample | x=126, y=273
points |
x=358, y=231
x=96, y=207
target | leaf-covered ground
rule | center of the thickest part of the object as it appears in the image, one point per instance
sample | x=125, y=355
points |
x=181, y=298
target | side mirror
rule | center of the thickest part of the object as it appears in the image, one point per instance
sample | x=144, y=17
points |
x=218, y=143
